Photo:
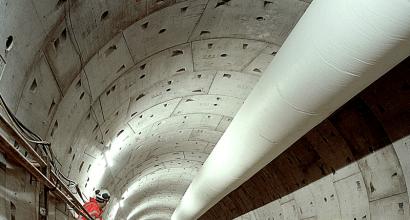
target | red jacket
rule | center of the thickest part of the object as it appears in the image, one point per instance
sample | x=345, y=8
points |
x=93, y=208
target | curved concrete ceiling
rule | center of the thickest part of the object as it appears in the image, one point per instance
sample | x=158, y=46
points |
x=134, y=95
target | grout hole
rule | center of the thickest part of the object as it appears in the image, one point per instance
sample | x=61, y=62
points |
x=257, y=70
x=142, y=76
x=162, y=31
x=260, y=18
x=197, y=90
x=226, y=75
x=108, y=92
x=169, y=89
x=88, y=116
x=9, y=43
x=165, y=105
x=274, y=53
x=244, y=46
x=177, y=52
x=224, y=55
x=89, y=166
x=170, y=82
x=198, y=76
x=104, y=15
x=142, y=67
x=133, y=114
x=145, y=25
x=215, y=104
x=106, y=131
x=33, y=86
x=113, y=88
x=50, y=110
x=189, y=100
x=210, y=46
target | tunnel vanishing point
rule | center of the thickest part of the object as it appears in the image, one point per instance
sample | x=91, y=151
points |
x=205, y=109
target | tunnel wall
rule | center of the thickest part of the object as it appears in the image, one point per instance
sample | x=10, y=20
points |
x=20, y=195
x=371, y=188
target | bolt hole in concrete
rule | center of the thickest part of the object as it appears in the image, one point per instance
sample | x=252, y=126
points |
x=142, y=67
x=204, y=32
x=54, y=128
x=168, y=90
x=181, y=70
x=104, y=15
x=50, y=110
x=162, y=31
x=60, y=3
x=142, y=76
x=9, y=43
x=119, y=133
x=257, y=70
x=244, y=46
x=33, y=86
x=64, y=34
x=121, y=68
x=221, y=2
x=145, y=25
x=109, y=50
x=224, y=55
x=210, y=46
x=226, y=75
x=160, y=2
x=78, y=85
x=177, y=53
x=183, y=10
x=260, y=18
x=139, y=97
x=56, y=43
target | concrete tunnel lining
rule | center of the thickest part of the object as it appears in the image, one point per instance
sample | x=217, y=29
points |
x=93, y=73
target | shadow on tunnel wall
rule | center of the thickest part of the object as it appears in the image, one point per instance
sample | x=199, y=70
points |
x=372, y=120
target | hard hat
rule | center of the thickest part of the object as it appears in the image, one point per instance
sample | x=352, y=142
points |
x=102, y=195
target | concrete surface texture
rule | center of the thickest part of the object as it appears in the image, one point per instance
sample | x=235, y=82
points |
x=134, y=95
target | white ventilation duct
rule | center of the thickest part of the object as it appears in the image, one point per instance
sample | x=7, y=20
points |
x=336, y=50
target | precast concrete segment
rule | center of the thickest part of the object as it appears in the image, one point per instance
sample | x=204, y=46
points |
x=330, y=56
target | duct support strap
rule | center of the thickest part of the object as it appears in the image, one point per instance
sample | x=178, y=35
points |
x=337, y=49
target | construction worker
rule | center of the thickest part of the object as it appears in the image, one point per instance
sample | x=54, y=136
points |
x=95, y=207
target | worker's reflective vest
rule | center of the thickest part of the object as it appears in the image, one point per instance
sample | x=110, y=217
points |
x=93, y=209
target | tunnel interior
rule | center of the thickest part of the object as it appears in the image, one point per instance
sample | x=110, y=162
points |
x=133, y=95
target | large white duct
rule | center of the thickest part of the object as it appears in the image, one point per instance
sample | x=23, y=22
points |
x=337, y=49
